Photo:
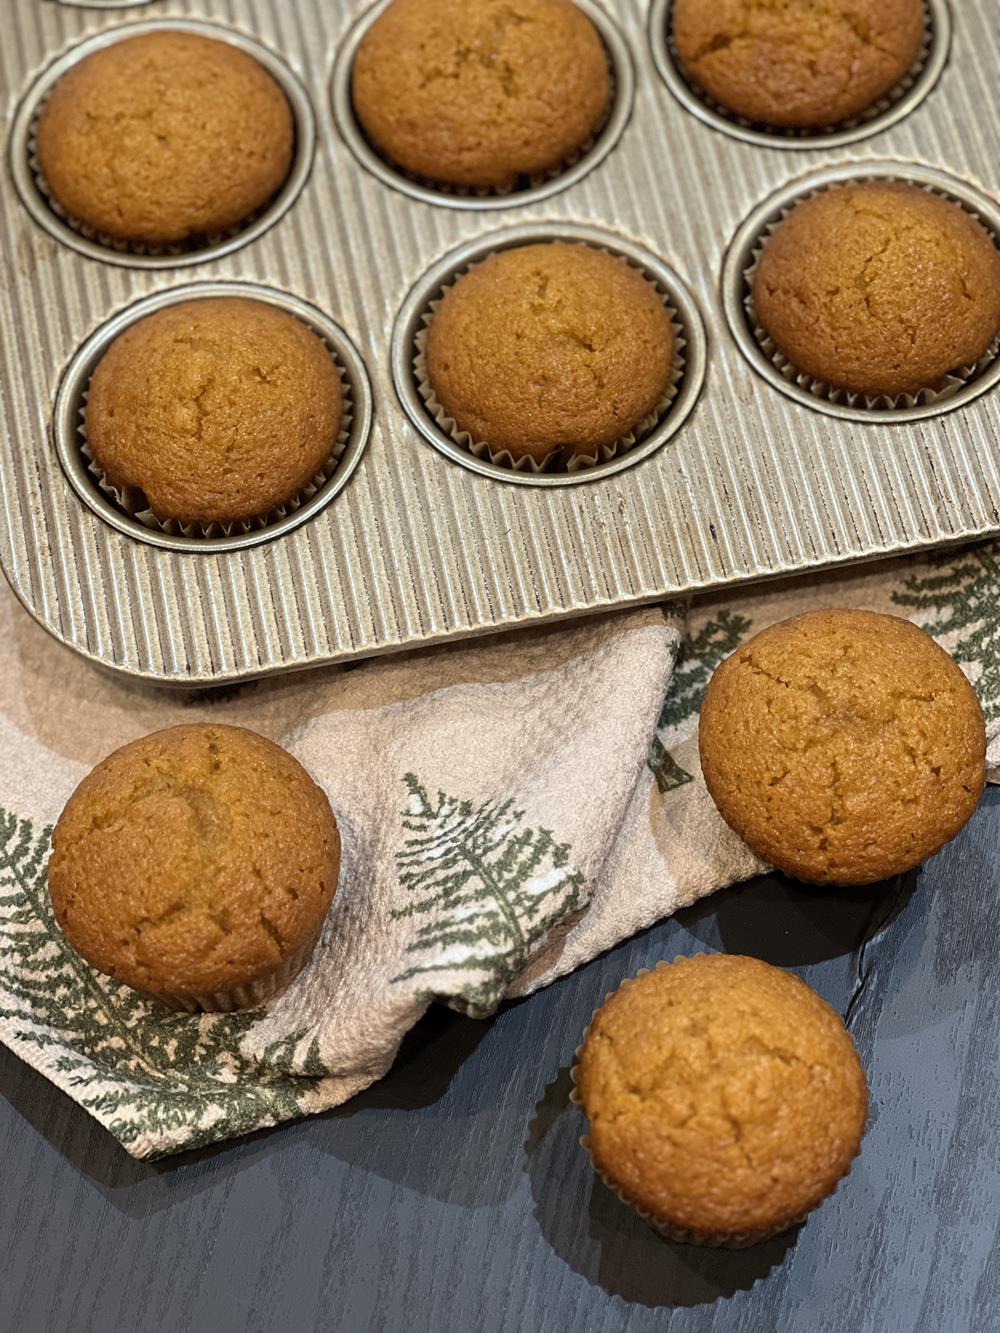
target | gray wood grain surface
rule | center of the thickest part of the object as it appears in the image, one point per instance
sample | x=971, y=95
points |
x=453, y=1197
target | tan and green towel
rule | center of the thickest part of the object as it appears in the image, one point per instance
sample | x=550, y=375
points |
x=509, y=809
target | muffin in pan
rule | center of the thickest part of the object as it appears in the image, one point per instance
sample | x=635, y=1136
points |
x=217, y=410
x=844, y=747
x=480, y=94
x=196, y=865
x=725, y=1098
x=550, y=350
x=879, y=287
x=164, y=139
x=799, y=65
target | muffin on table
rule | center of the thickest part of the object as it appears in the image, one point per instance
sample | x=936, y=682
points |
x=480, y=93
x=165, y=138
x=725, y=1098
x=550, y=350
x=799, y=65
x=880, y=288
x=843, y=747
x=196, y=865
x=218, y=410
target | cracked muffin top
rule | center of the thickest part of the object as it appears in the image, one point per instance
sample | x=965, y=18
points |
x=725, y=1097
x=880, y=288
x=218, y=410
x=165, y=138
x=550, y=347
x=844, y=747
x=194, y=860
x=797, y=64
x=480, y=93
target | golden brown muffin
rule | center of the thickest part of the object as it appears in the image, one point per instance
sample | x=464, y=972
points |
x=550, y=347
x=195, y=863
x=842, y=746
x=802, y=64
x=218, y=409
x=164, y=138
x=879, y=288
x=725, y=1098
x=480, y=93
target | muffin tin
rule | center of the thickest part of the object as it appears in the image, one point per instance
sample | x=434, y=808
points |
x=421, y=543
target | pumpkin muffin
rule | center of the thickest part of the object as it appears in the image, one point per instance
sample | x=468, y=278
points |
x=879, y=288
x=196, y=865
x=843, y=747
x=165, y=138
x=725, y=1098
x=550, y=349
x=480, y=93
x=797, y=64
x=218, y=410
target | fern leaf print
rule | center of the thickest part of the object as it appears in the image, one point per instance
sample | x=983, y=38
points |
x=159, y=1081
x=483, y=889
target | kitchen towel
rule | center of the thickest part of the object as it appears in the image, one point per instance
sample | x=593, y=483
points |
x=509, y=808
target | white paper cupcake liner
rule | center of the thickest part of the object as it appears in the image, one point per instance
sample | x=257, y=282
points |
x=819, y=388
x=208, y=241
x=133, y=502
x=733, y=1240
x=577, y=461
x=252, y=995
x=872, y=113
x=525, y=183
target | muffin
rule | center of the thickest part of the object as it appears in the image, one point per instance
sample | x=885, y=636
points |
x=725, y=1098
x=217, y=410
x=800, y=65
x=196, y=865
x=165, y=138
x=480, y=93
x=550, y=349
x=842, y=746
x=879, y=288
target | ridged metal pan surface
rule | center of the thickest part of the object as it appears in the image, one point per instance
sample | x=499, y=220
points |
x=416, y=548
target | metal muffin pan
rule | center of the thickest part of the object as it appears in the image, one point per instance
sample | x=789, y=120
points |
x=415, y=549
x=892, y=108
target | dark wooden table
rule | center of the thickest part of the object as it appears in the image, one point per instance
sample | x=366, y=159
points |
x=454, y=1197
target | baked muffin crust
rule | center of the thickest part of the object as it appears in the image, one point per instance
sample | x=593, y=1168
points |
x=164, y=138
x=218, y=409
x=193, y=861
x=480, y=93
x=548, y=347
x=843, y=746
x=801, y=64
x=725, y=1097
x=879, y=287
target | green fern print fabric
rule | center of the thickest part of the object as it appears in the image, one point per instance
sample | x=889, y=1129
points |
x=508, y=811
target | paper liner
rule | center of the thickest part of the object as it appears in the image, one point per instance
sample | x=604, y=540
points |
x=252, y=994
x=720, y=1240
x=867, y=117
x=132, y=501
x=578, y=461
x=525, y=183
x=818, y=388
x=206, y=242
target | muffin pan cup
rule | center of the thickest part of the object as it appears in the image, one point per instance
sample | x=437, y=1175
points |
x=128, y=510
x=534, y=188
x=414, y=539
x=416, y=394
x=962, y=385
x=734, y=1240
x=894, y=106
x=49, y=213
